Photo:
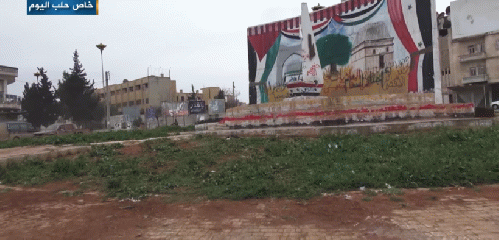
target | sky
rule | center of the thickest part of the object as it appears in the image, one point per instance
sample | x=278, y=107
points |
x=203, y=43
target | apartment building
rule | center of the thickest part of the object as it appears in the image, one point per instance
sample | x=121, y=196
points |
x=207, y=94
x=469, y=56
x=144, y=93
x=10, y=105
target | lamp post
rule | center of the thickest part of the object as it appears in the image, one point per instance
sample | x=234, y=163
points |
x=101, y=47
x=37, y=74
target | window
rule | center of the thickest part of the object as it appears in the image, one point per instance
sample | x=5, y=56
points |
x=481, y=70
x=146, y=85
x=138, y=102
x=147, y=100
x=182, y=98
x=381, y=61
x=112, y=93
x=137, y=87
x=471, y=49
x=374, y=51
x=130, y=89
x=124, y=90
x=130, y=103
x=473, y=71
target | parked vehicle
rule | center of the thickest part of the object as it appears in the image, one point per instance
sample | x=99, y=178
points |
x=15, y=130
x=61, y=129
x=495, y=105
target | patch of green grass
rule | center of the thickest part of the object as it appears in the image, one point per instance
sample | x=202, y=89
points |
x=83, y=139
x=396, y=199
x=370, y=192
x=5, y=190
x=241, y=168
x=367, y=199
x=436, y=189
x=392, y=191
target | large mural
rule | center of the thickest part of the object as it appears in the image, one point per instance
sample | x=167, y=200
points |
x=359, y=47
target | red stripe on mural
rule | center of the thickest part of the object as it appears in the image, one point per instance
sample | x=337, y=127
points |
x=398, y=21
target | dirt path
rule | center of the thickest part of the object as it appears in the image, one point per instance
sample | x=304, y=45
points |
x=55, y=211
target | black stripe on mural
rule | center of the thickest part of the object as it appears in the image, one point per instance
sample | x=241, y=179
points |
x=423, y=11
x=252, y=72
x=428, y=72
x=299, y=38
x=358, y=14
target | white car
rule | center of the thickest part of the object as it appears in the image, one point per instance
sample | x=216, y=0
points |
x=495, y=105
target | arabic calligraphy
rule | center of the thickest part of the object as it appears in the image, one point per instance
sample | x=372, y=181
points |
x=62, y=5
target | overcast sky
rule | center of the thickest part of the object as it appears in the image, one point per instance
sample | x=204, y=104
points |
x=201, y=42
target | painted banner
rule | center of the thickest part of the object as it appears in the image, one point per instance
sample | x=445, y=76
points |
x=65, y=7
x=216, y=106
x=174, y=109
x=358, y=47
x=197, y=107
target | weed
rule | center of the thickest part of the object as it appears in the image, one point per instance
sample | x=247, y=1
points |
x=367, y=199
x=370, y=192
x=5, y=190
x=436, y=189
x=396, y=199
x=392, y=191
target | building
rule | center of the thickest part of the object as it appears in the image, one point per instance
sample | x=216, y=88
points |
x=469, y=58
x=10, y=105
x=144, y=93
x=207, y=94
x=373, y=47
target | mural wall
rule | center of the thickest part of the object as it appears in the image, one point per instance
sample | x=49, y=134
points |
x=359, y=47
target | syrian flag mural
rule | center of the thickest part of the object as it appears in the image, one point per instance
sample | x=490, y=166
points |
x=359, y=47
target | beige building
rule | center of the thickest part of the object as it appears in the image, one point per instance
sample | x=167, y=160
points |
x=144, y=92
x=373, y=48
x=470, y=66
x=9, y=105
x=207, y=94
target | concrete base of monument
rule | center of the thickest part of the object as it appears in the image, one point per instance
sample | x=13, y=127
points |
x=403, y=126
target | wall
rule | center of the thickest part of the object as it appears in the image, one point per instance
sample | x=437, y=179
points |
x=364, y=47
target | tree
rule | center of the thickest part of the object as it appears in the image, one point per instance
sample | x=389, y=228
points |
x=39, y=103
x=231, y=100
x=334, y=49
x=193, y=94
x=77, y=95
x=221, y=95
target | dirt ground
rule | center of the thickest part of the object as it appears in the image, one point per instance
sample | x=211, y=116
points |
x=53, y=211
x=60, y=211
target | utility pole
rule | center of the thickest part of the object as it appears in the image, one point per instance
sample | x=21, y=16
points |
x=108, y=101
x=233, y=95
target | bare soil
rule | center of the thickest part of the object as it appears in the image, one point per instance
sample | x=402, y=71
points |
x=56, y=211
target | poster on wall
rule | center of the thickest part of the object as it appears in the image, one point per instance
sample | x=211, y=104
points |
x=197, y=107
x=358, y=47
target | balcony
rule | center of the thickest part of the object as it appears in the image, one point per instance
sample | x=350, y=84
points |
x=476, y=79
x=473, y=57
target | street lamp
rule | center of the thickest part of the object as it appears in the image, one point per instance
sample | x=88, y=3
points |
x=37, y=74
x=101, y=47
